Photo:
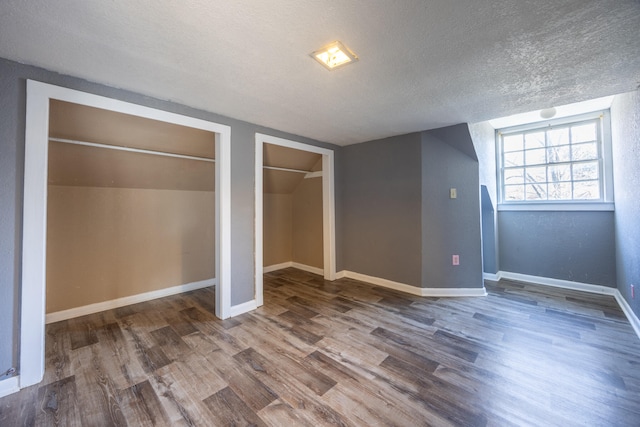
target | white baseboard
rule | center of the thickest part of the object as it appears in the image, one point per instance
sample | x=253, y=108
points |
x=9, y=386
x=308, y=268
x=303, y=267
x=585, y=287
x=626, y=308
x=493, y=277
x=402, y=287
x=243, y=308
x=276, y=267
x=413, y=290
x=121, y=302
x=454, y=292
x=558, y=283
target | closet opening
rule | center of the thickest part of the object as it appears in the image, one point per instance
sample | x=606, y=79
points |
x=295, y=218
x=130, y=210
x=122, y=203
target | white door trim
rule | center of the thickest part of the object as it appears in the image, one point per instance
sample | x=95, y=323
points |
x=34, y=244
x=328, y=207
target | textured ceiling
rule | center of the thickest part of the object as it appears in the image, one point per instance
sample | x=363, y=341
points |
x=423, y=63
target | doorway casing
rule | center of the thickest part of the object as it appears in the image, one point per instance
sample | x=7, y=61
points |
x=33, y=290
x=328, y=207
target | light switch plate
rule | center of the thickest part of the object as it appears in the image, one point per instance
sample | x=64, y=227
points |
x=453, y=193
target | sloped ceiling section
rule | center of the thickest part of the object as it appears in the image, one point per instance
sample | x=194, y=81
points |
x=80, y=122
x=285, y=182
x=423, y=64
x=85, y=166
x=81, y=166
x=458, y=137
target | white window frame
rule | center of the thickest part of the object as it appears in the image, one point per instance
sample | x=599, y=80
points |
x=606, y=203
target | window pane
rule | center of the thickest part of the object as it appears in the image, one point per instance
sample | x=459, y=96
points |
x=536, y=191
x=585, y=171
x=560, y=191
x=512, y=142
x=562, y=162
x=559, y=173
x=535, y=157
x=538, y=174
x=586, y=190
x=514, y=192
x=513, y=159
x=558, y=154
x=514, y=176
x=586, y=151
x=583, y=133
x=534, y=140
x=558, y=136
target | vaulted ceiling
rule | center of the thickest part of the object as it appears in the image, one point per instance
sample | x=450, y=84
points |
x=423, y=63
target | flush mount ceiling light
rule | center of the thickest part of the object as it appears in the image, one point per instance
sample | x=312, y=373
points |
x=547, y=113
x=334, y=55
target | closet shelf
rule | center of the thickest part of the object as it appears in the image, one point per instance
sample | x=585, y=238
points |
x=275, y=168
x=133, y=150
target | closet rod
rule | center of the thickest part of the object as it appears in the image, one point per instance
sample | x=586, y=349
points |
x=134, y=150
x=275, y=168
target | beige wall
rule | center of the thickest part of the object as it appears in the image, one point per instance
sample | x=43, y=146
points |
x=123, y=223
x=82, y=166
x=292, y=211
x=277, y=225
x=307, y=237
x=107, y=243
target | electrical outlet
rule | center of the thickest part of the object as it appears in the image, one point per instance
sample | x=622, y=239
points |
x=455, y=259
x=453, y=193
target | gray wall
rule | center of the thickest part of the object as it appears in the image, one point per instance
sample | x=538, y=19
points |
x=12, y=123
x=12, y=119
x=575, y=246
x=483, y=136
x=625, y=129
x=381, y=201
x=489, y=232
x=450, y=226
x=399, y=222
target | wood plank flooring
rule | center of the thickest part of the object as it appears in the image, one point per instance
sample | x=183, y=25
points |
x=342, y=353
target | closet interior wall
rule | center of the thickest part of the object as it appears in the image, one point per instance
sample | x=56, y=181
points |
x=292, y=211
x=120, y=222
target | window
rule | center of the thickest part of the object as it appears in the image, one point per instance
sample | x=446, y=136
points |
x=560, y=161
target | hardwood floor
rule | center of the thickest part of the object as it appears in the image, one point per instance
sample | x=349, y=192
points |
x=342, y=353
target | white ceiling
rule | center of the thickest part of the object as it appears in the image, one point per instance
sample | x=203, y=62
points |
x=423, y=63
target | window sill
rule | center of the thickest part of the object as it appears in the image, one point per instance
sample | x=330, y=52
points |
x=573, y=206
